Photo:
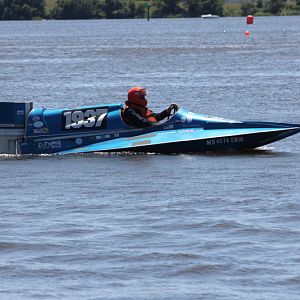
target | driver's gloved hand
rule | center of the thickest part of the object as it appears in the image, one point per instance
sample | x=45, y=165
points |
x=172, y=106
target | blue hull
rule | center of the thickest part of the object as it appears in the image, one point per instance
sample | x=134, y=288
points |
x=229, y=143
x=101, y=129
x=192, y=145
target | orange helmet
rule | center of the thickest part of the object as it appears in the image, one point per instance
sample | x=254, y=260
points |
x=136, y=95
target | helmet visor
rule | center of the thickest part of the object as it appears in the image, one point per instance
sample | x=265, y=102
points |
x=143, y=93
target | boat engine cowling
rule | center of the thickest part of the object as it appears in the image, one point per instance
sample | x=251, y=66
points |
x=13, y=118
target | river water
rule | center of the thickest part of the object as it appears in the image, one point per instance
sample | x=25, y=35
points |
x=120, y=226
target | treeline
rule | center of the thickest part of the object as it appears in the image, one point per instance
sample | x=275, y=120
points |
x=115, y=9
x=269, y=7
x=22, y=9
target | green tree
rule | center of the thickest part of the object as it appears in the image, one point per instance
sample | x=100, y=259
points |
x=248, y=8
x=193, y=8
x=273, y=6
x=165, y=8
x=12, y=12
x=1, y=8
x=133, y=9
x=73, y=9
x=112, y=8
x=26, y=12
x=259, y=4
x=169, y=7
x=21, y=9
x=38, y=4
x=212, y=7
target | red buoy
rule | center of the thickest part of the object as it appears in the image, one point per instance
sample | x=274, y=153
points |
x=247, y=33
x=250, y=20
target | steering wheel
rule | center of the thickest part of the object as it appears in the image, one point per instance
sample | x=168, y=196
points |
x=172, y=112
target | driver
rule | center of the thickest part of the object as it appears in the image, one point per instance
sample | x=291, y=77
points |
x=136, y=112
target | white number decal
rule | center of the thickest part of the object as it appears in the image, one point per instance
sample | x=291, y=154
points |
x=88, y=118
x=77, y=119
x=68, y=120
x=91, y=118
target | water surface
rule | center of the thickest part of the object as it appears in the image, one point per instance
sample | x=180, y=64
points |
x=135, y=226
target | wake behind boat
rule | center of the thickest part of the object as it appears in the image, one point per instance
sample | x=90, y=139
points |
x=100, y=128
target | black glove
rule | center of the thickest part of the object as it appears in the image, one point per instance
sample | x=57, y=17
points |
x=171, y=107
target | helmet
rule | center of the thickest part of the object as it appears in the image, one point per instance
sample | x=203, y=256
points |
x=136, y=95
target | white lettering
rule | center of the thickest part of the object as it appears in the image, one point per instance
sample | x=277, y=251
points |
x=49, y=145
x=225, y=140
x=84, y=118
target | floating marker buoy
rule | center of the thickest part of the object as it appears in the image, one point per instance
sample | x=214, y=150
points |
x=249, y=20
x=247, y=33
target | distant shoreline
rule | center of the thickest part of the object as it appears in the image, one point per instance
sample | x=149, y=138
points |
x=141, y=9
x=220, y=17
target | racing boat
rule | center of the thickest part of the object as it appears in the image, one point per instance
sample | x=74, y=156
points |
x=100, y=128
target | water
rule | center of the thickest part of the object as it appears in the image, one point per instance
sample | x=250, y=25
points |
x=120, y=226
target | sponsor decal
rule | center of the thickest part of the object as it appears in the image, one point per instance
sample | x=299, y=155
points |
x=49, y=145
x=142, y=137
x=38, y=124
x=7, y=125
x=36, y=118
x=41, y=130
x=141, y=143
x=78, y=141
x=84, y=118
x=20, y=112
x=210, y=119
x=187, y=119
x=180, y=131
x=107, y=136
